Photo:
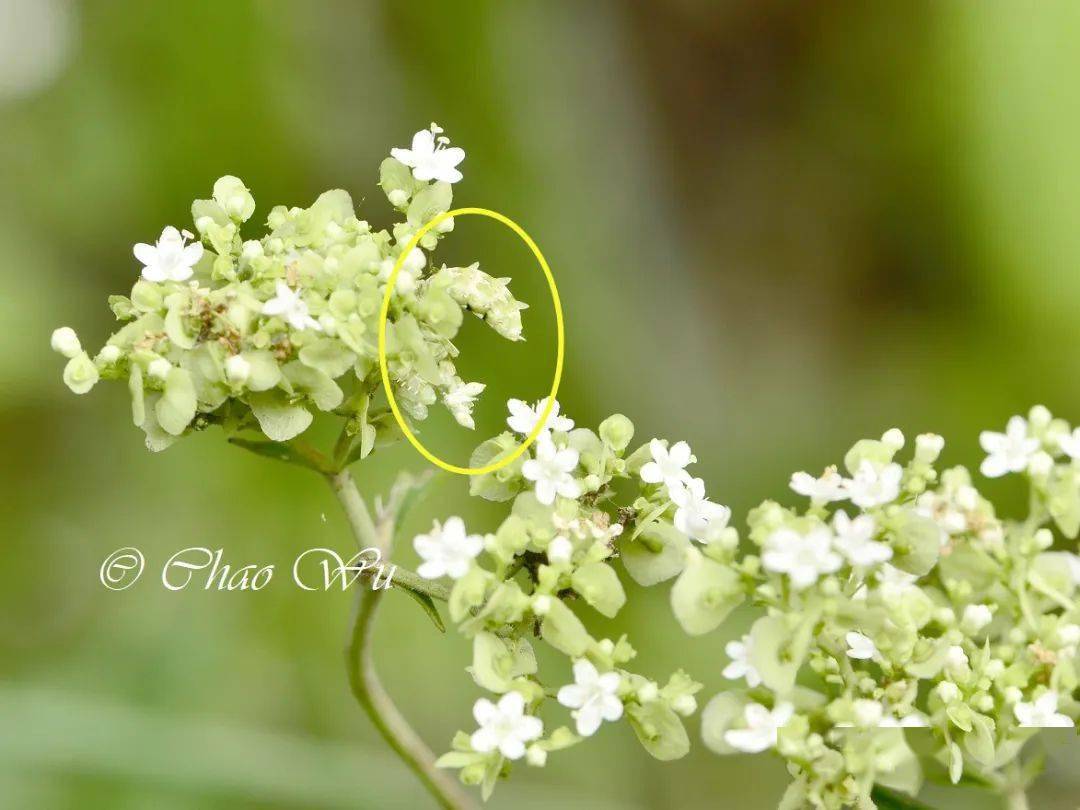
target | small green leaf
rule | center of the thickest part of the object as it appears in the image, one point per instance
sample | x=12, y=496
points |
x=887, y=799
x=277, y=451
x=428, y=606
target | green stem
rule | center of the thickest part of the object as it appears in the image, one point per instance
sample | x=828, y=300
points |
x=387, y=719
x=360, y=660
x=1016, y=799
x=1015, y=796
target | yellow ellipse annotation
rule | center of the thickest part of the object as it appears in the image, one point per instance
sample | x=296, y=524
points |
x=559, y=352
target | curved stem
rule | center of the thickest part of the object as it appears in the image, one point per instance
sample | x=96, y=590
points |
x=360, y=661
x=391, y=724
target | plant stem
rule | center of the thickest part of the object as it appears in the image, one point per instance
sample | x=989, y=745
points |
x=390, y=723
x=1016, y=799
x=360, y=661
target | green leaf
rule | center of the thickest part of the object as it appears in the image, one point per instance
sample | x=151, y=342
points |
x=328, y=356
x=777, y=650
x=659, y=553
x=659, y=730
x=917, y=543
x=1063, y=499
x=428, y=606
x=720, y=714
x=278, y=419
x=135, y=386
x=177, y=406
x=887, y=799
x=278, y=452
x=563, y=630
x=704, y=594
x=599, y=586
x=429, y=203
x=315, y=384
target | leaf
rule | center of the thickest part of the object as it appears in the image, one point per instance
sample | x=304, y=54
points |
x=564, y=631
x=659, y=730
x=917, y=543
x=887, y=799
x=658, y=554
x=704, y=594
x=278, y=419
x=177, y=406
x=720, y=714
x=278, y=452
x=328, y=356
x=599, y=585
x=429, y=203
x=428, y=606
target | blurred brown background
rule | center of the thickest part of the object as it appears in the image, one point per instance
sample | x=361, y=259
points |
x=776, y=226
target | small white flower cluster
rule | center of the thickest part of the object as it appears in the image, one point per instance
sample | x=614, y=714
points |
x=695, y=515
x=920, y=610
x=265, y=333
x=564, y=533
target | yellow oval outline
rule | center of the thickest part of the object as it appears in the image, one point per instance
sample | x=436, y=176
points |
x=384, y=313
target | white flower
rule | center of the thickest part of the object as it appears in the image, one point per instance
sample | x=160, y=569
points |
x=802, y=557
x=447, y=550
x=431, y=159
x=928, y=447
x=831, y=486
x=695, y=515
x=976, y=617
x=947, y=691
x=894, y=438
x=523, y=417
x=895, y=583
x=1040, y=463
x=170, y=258
x=288, y=304
x=559, y=550
x=109, y=354
x=740, y=666
x=854, y=539
x=237, y=369
x=504, y=726
x=868, y=713
x=1070, y=444
x=860, y=647
x=541, y=604
x=956, y=660
x=459, y=401
x=1042, y=713
x=668, y=464
x=159, y=368
x=536, y=756
x=872, y=486
x=411, y=268
x=1010, y=451
x=593, y=696
x=1072, y=564
x=761, y=729
x=65, y=341
x=913, y=720
x=550, y=470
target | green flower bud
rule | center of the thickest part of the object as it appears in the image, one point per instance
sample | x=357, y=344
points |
x=616, y=432
x=234, y=198
x=66, y=342
x=80, y=373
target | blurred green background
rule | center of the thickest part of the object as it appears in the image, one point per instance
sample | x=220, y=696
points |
x=777, y=227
